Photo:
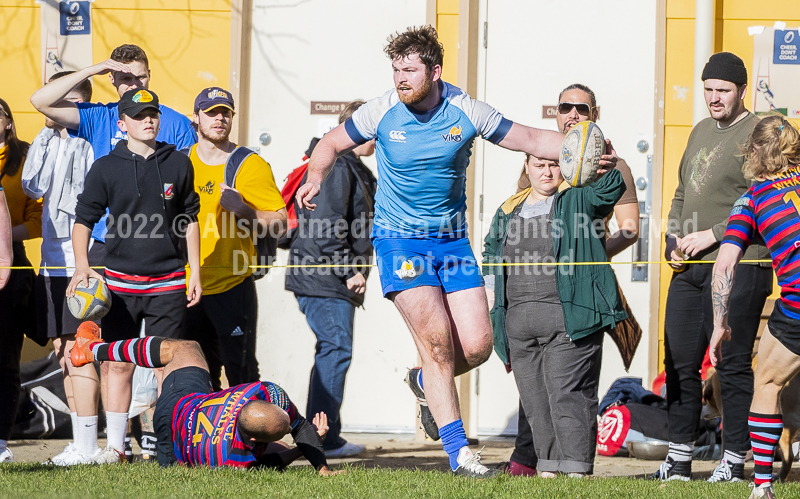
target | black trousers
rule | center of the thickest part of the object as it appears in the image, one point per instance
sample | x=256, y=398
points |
x=524, y=452
x=688, y=326
x=225, y=325
x=16, y=310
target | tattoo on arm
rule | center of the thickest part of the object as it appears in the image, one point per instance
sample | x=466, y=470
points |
x=721, y=286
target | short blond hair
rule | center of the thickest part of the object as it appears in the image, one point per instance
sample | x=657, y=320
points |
x=773, y=146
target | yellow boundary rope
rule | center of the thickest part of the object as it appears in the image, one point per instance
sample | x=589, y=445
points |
x=501, y=264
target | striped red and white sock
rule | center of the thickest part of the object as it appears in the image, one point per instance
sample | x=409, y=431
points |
x=145, y=352
x=765, y=431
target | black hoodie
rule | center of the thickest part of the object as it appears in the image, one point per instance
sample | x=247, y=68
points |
x=150, y=203
x=347, y=195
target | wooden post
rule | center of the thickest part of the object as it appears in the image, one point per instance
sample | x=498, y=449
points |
x=468, y=40
x=241, y=33
x=655, y=243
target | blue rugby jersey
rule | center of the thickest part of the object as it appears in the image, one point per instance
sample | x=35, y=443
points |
x=771, y=209
x=423, y=157
x=204, y=425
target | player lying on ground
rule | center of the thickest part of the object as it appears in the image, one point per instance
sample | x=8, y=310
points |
x=238, y=427
x=769, y=209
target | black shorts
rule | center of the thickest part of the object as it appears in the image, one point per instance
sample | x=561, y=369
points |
x=785, y=329
x=53, y=318
x=162, y=315
x=176, y=385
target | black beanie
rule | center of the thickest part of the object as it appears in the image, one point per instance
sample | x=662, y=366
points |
x=725, y=66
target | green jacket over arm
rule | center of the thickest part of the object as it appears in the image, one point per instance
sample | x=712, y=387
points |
x=588, y=293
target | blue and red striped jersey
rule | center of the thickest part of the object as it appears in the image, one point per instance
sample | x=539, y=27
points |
x=771, y=209
x=204, y=425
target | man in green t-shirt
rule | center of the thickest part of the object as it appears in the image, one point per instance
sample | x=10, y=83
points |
x=710, y=182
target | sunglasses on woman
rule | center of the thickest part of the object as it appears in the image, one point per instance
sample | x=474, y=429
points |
x=566, y=107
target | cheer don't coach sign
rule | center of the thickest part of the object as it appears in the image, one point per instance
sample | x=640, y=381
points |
x=76, y=18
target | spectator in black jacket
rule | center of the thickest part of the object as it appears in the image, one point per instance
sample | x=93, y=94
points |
x=336, y=232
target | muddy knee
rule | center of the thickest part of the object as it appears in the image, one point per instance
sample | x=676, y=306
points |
x=440, y=353
x=186, y=349
x=479, y=354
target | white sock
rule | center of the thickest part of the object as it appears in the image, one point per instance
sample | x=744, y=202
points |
x=86, y=435
x=3, y=445
x=680, y=452
x=73, y=416
x=732, y=457
x=116, y=429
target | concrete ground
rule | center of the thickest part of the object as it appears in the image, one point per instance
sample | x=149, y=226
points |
x=404, y=451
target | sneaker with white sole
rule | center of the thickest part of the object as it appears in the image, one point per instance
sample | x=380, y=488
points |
x=349, y=449
x=726, y=472
x=6, y=456
x=68, y=451
x=429, y=425
x=110, y=455
x=469, y=465
x=75, y=457
x=763, y=491
x=673, y=470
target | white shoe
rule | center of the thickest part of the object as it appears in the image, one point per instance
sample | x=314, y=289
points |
x=763, y=491
x=469, y=465
x=347, y=450
x=110, y=455
x=75, y=458
x=6, y=456
x=725, y=472
x=68, y=451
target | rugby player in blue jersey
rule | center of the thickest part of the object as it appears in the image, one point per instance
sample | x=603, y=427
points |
x=424, y=130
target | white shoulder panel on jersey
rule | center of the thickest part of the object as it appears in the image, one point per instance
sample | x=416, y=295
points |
x=367, y=117
x=484, y=117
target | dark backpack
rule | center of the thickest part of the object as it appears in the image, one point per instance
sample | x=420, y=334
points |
x=266, y=247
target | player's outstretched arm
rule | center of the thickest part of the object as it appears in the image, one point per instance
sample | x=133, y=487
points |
x=545, y=144
x=721, y=286
x=334, y=144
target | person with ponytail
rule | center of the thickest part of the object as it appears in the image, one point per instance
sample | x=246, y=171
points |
x=16, y=298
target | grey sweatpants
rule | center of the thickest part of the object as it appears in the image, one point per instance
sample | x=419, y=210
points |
x=557, y=380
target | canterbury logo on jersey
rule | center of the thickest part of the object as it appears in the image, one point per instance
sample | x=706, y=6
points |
x=453, y=136
x=397, y=136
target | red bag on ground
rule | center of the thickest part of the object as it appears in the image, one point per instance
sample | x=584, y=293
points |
x=612, y=430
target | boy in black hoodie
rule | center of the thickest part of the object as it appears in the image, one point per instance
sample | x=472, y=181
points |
x=148, y=188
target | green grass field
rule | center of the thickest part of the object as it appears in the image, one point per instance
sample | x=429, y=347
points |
x=148, y=480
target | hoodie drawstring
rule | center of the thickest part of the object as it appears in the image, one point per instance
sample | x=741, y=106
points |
x=136, y=175
x=161, y=181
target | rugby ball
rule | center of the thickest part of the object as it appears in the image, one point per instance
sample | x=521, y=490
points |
x=580, y=154
x=90, y=303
